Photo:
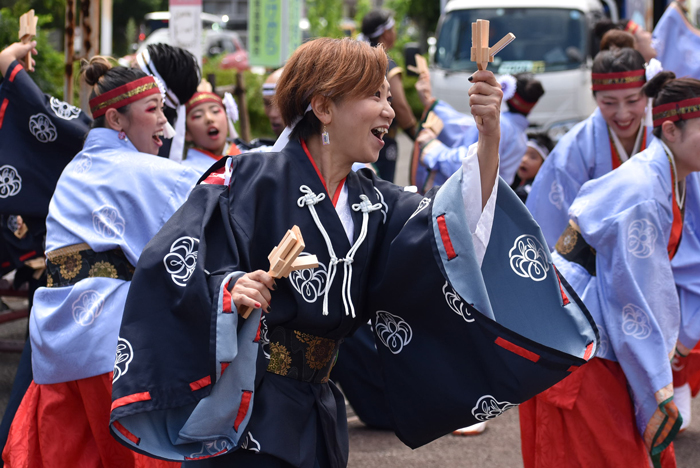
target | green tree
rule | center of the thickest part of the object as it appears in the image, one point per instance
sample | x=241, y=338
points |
x=324, y=18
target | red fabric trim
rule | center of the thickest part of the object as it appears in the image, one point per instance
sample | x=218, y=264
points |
x=5, y=102
x=336, y=195
x=224, y=365
x=313, y=163
x=116, y=93
x=125, y=432
x=677, y=226
x=445, y=235
x=227, y=305
x=201, y=383
x=572, y=368
x=27, y=256
x=589, y=352
x=5, y=264
x=519, y=350
x=233, y=150
x=564, y=297
x=257, y=335
x=216, y=177
x=631, y=27
x=520, y=104
x=616, y=161
x=14, y=72
x=209, y=153
x=129, y=399
x=618, y=80
x=207, y=456
x=681, y=110
x=202, y=98
x=243, y=409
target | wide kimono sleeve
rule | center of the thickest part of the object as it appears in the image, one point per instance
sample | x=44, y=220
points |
x=639, y=304
x=456, y=125
x=165, y=401
x=676, y=42
x=461, y=341
x=39, y=135
x=513, y=144
x=558, y=182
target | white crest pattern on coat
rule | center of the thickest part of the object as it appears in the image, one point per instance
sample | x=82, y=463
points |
x=264, y=337
x=182, y=259
x=641, y=237
x=421, y=206
x=528, y=258
x=456, y=303
x=10, y=181
x=42, y=128
x=125, y=354
x=87, y=307
x=108, y=223
x=635, y=322
x=249, y=443
x=556, y=195
x=488, y=408
x=12, y=223
x=64, y=110
x=209, y=448
x=310, y=283
x=393, y=331
x=83, y=165
x=385, y=208
x=578, y=208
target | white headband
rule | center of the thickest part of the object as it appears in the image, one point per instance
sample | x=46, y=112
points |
x=387, y=25
x=544, y=152
x=268, y=89
x=146, y=65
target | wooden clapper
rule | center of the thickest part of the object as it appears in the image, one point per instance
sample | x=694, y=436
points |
x=27, y=31
x=482, y=54
x=285, y=259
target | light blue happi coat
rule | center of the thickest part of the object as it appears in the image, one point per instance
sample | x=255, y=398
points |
x=109, y=196
x=460, y=132
x=581, y=155
x=686, y=265
x=626, y=216
x=198, y=161
x=677, y=44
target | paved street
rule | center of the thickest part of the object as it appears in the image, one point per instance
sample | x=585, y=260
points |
x=498, y=447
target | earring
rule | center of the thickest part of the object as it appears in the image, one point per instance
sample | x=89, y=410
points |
x=122, y=135
x=325, y=137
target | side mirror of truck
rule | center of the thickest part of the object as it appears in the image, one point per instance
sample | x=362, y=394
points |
x=409, y=54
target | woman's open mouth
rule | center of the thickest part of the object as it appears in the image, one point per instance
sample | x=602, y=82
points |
x=157, y=138
x=379, y=133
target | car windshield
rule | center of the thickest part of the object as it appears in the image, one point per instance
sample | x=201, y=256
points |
x=547, y=39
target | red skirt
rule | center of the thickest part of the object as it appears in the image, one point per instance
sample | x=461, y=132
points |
x=66, y=425
x=586, y=420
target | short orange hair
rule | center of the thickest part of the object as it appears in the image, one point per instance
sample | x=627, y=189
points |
x=334, y=68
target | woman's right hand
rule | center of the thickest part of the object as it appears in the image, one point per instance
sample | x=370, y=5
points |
x=16, y=51
x=253, y=290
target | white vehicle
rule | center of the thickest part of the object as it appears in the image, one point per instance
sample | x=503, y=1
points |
x=552, y=41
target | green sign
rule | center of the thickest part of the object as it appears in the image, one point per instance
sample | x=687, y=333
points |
x=273, y=31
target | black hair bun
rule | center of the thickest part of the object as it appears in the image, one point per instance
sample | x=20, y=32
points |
x=95, y=69
x=654, y=86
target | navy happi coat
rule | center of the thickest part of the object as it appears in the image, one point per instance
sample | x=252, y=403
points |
x=458, y=343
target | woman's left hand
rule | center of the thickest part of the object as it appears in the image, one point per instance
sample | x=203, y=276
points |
x=485, y=98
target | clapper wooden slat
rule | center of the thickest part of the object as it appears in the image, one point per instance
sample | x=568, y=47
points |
x=27, y=31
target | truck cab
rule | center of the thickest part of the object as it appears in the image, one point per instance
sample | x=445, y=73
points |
x=552, y=41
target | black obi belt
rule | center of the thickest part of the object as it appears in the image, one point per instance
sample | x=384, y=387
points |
x=67, y=266
x=573, y=247
x=302, y=356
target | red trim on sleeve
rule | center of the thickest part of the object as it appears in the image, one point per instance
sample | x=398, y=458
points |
x=589, y=352
x=5, y=264
x=201, y=383
x=572, y=368
x=243, y=409
x=445, y=235
x=257, y=335
x=127, y=400
x=14, y=72
x=5, y=102
x=125, y=432
x=227, y=305
x=564, y=297
x=216, y=178
x=224, y=365
x=27, y=256
x=207, y=456
x=519, y=350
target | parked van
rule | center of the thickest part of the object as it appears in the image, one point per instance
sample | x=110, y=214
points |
x=552, y=41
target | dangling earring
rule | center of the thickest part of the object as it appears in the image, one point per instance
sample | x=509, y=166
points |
x=122, y=135
x=325, y=137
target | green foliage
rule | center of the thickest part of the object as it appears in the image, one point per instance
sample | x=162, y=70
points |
x=49, y=67
x=324, y=18
x=259, y=124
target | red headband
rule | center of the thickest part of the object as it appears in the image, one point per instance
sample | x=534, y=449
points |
x=674, y=111
x=201, y=98
x=520, y=104
x=631, y=27
x=123, y=95
x=618, y=80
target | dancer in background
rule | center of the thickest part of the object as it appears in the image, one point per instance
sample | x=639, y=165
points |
x=539, y=145
x=642, y=38
x=678, y=42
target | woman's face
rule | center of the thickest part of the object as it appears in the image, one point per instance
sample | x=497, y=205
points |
x=388, y=38
x=530, y=164
x=643, y=44
x=358, y=126
x=623, y=110
x=686, y=147
x=207, y=127
x=144, y=124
